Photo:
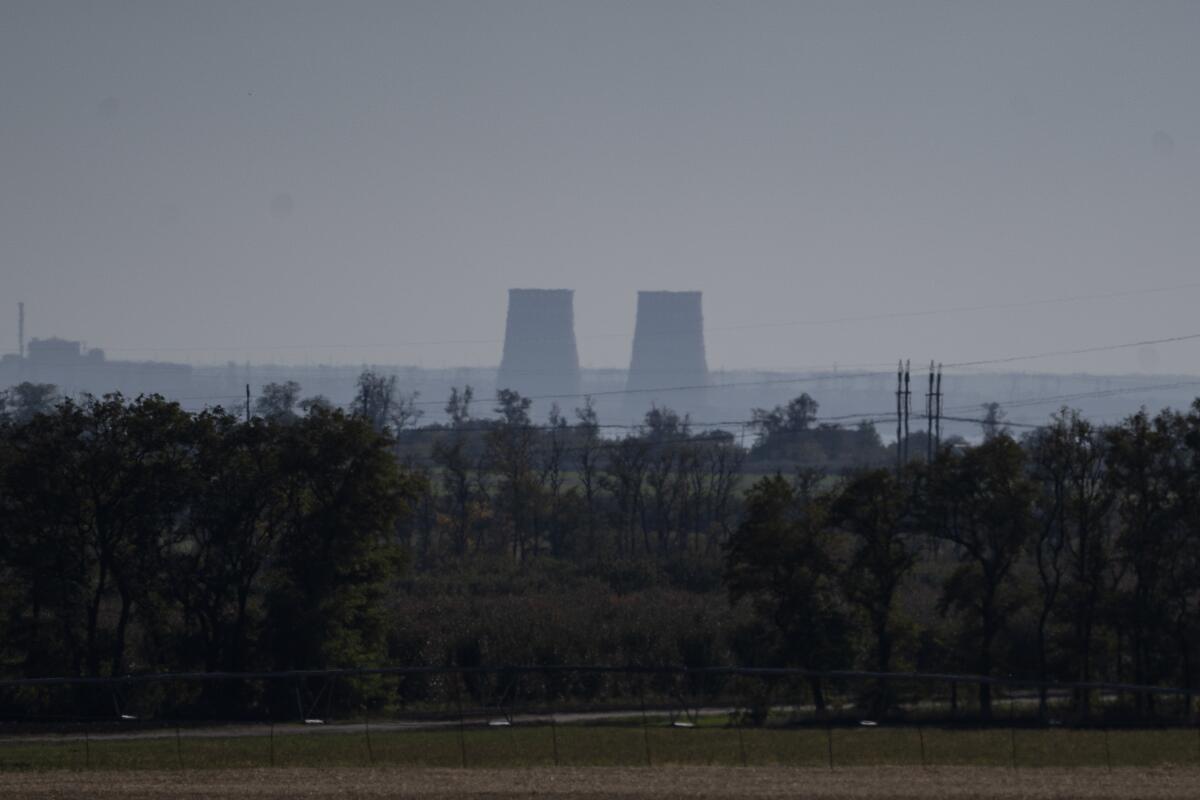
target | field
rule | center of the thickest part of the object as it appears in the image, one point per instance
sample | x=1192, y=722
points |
x=599, y=745
x=854, y=783
x=621, y=760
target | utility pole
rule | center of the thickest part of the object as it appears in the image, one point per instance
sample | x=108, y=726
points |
x=929, y=418
x=907, y=406
x=937, y=416
x=21, y=329
x=247, y=404
x=899, y=417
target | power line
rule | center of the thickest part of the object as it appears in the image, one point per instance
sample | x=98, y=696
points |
x=1078, y=351
x=486, y=425
x=1098, y=393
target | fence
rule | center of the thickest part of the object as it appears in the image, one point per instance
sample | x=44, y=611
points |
x=560, y=715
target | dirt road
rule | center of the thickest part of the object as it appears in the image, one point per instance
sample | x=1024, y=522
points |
x=690, y=783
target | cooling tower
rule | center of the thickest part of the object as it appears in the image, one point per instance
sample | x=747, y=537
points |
x=539, y=343
x=668, y=343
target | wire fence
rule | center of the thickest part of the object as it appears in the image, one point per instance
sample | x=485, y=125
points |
x=587, y=715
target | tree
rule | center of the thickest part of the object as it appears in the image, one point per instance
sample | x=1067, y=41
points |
x=1184, y=578
x=624, y=476
x=993, y=419
x=239, y=493
x=796, y=417
x=110, y=480
x=665, y=432
x=1050, y=465
x=451, y=454
x=513, y=408
x=310, y=405
x=553, y=477
x=710, y=468
x=378, y=402
x=1073, y=543
x=336, y=553
x=801, y=412
x=25, y=400
x=981, y=502
x=587, y=433
x=42, y=557
x=874, y=507
x=510, y=453
x=277, y=401
x=458, y=406
x=1139, y=467
x=779, y=560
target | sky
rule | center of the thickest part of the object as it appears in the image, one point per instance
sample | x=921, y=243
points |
x=350, y=182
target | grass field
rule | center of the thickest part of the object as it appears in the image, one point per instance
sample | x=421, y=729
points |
x=624, y=783
x=596, y=745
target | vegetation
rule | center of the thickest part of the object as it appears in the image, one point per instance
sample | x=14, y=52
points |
x=137, y=537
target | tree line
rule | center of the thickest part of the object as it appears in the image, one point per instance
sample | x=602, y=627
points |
x=135, y=535
x=1070, y=554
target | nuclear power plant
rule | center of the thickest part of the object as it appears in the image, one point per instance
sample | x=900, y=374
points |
x=668, y=342
x=539, y=343
x=540, y=359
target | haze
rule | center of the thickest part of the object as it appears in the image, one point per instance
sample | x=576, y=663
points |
x=362, y=182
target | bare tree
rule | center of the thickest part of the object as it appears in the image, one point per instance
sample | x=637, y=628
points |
x=378, y=402
x=588, y=436
x=553, y=476
x=624, y=476
x=510, y=446
x=452, y=455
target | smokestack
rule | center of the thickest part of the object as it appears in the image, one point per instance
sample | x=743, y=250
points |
x=21, y=329
x=668, y=344
x=539, y=343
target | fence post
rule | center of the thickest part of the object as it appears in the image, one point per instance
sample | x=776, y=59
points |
x=462, y=724
x=554, y=736
x=921, y=736
x=1107, y=751
x=645, y=723
x=367, y=730
x=1012, y=727
x=272, y=735
x=829, y=743
x=741, y=737
x=178, y=746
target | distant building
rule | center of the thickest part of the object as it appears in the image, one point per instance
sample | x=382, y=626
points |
x=75, y=370
x=540, y=357
x=61, y=352
x=668, y=349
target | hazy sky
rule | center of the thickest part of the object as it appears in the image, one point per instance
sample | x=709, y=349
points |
x=350, y=182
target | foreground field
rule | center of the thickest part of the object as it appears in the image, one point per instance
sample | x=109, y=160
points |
x=608, y=745
x=664, y=783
